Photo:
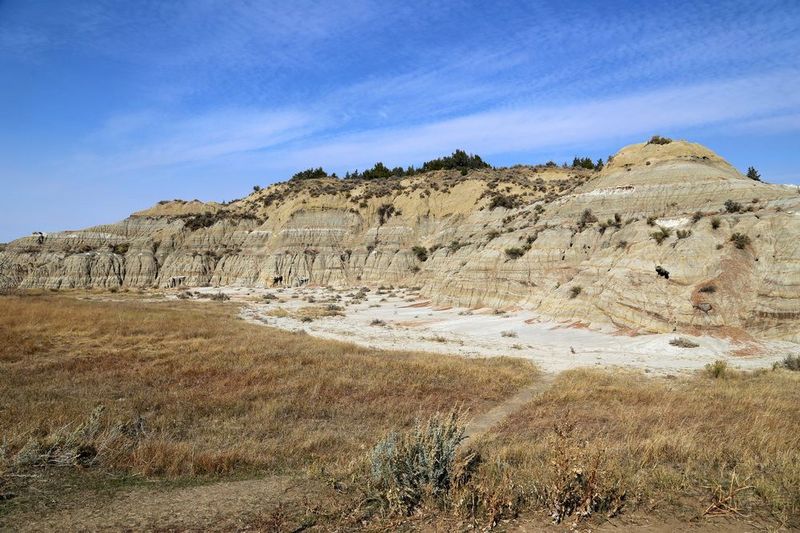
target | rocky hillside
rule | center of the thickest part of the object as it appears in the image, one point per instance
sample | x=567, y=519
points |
x=665, y=237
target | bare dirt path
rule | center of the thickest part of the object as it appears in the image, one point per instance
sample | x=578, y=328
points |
x=484, y=422
x=232, y=505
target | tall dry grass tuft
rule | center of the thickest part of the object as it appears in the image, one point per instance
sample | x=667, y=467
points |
x=578, y=483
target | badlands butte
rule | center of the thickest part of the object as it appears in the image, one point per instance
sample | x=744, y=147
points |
x=665, y=237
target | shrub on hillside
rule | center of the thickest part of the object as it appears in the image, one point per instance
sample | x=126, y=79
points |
x=120, y=248
x=753, y=174
x=385, y=212
x=732, y=207
x=420, y=252
x=501, y=200
x=661, y=235
x=514, y=252
x=459, y=160
x=658, y=139
x=586, y=218
x=740, y=240
x=310, y=174
x=584, y=162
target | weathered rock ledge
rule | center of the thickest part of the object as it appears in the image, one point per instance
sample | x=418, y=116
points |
x=573, y=244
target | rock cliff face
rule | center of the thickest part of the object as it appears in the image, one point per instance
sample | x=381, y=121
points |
x=579, y=245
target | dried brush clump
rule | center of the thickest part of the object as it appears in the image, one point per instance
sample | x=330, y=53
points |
x=579, y=484
x=683, y=342
x=86, y=444
x=790, y=362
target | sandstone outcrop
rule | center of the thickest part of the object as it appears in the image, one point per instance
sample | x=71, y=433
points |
x=573, y=244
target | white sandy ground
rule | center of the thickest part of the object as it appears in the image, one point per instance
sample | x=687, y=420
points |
x=411, y=323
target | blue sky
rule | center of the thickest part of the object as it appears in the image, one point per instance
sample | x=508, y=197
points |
x=109, y=106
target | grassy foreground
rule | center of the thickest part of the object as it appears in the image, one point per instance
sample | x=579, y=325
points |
x=213, y=393
x=692, y=449
x=102, y=397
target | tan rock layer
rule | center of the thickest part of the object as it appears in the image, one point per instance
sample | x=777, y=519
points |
x=334, y=233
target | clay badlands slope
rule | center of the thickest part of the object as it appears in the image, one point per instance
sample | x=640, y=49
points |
x=533, y=254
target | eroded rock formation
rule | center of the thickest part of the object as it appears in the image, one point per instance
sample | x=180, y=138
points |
x=571, y=243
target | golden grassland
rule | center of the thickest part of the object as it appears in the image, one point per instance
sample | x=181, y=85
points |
x=191, y=393
x=682, y=446
x=212, y=393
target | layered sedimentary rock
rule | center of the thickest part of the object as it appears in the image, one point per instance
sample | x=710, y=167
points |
x=573, y=244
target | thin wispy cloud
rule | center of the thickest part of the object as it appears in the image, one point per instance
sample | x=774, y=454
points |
x=204, y=98
x=145, y=141
x=536, y=127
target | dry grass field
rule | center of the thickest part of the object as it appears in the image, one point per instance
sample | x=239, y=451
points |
x=695, y=448
x=189, y=390
x=118, y=410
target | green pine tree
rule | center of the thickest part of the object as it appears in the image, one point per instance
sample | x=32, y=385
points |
x=753, y=174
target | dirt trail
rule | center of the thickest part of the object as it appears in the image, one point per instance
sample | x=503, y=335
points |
x=484, y=422
x=219, y=506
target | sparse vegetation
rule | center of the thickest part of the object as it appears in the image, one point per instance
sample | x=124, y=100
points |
x=120, y=248
x=574, y=291
x=514, y=252
x=385, y=212
x=716, y=222
x=732, y=207
x=206, y=220
x=310, y=174
x=717, y=370
x=753, y=174
x=420, y=252
x=418, y=464
x=708, y=289
x=683, y=233
x=456, y=245
x=459, y=160
x=683, y=342
x=215, y=296
x=587, y=217
x=658, y=139
x=791, y=362
x=740, y=240
x=595, y=445
x=505, y=201
x=509, y=333
x=661, y=235
x=587, y=163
